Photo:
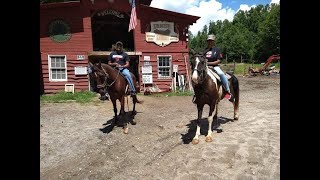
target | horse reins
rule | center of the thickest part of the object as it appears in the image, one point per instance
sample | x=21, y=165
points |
x=105, y=79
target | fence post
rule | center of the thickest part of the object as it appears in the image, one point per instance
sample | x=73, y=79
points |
x=226, y=59
x=244, y=69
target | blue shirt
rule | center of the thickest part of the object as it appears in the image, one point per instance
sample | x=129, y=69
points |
x=213, y=54
x=120, y=58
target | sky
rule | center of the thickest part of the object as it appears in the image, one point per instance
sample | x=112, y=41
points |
x=208, y=9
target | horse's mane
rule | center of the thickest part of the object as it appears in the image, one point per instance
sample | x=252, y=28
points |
x=107, y=66
x=197, y=52
x=103, y=65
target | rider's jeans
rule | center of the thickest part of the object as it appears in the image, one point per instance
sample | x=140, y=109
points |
x=127, y=75
x=223, y=78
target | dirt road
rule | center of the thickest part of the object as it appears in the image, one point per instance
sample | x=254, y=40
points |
x=78, y=143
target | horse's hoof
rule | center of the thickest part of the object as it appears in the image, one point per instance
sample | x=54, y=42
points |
x=133, y=122
x=195, y=141
x=208, y=139
x=125, y=130
x=236, y=116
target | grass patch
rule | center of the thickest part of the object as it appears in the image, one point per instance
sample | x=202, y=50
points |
x=61, y=97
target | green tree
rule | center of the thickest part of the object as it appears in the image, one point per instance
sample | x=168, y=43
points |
x=269, y=32
x=253, y=34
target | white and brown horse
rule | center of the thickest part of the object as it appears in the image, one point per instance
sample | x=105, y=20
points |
x=208, y=90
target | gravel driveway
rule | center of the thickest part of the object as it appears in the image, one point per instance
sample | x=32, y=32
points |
x=76, y=141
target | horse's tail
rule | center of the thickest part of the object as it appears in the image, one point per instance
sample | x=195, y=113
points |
x=235, y=84
x=235, y=87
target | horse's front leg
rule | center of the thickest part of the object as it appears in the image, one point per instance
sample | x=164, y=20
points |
x=122, y=112
x=195, y=139
x=211, y=118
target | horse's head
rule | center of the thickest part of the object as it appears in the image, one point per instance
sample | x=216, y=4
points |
x=101, y=77
x=199, y=67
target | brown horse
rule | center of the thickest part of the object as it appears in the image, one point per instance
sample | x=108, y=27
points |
x=111, y=80
x=208, y=90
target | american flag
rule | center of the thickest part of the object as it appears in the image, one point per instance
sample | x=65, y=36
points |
x=133, y=18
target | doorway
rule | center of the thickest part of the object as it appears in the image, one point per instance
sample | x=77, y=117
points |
x=108, y=27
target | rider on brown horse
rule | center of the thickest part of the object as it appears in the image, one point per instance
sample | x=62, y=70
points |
x=120, y=60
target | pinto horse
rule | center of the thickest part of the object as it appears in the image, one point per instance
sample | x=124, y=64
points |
x=208, y=90
x=111, y=80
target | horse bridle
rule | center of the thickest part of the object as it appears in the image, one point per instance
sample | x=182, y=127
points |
x=195, y=69
x=106, y=75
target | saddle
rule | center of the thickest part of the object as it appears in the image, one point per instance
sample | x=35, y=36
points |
x=216, y=75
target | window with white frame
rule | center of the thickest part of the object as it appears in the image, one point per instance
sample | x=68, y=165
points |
x=164, y=66
x=57, y=68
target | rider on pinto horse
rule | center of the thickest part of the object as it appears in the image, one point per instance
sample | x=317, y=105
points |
x=213, y=55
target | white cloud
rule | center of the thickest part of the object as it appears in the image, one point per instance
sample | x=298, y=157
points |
x=174, y=5
x=209, y=10
x=206, y=10
x=245, y=7
x=275, y=1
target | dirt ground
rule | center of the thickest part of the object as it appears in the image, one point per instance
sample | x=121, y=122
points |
x=77, y=141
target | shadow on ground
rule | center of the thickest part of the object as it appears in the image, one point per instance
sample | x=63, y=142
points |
x=122, y=119
x=192, y=127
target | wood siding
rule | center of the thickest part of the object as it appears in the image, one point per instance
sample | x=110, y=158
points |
x=78, y=17
x=178, y=50
x=146, y=16
x=180, y=59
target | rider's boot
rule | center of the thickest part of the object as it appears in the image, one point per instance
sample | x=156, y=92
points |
x=229, y=96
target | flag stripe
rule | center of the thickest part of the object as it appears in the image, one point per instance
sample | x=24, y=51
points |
x=133, y=17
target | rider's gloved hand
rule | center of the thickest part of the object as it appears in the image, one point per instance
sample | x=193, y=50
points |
x=119, y=66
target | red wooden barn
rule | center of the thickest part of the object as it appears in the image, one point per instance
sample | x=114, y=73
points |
x=74, y=33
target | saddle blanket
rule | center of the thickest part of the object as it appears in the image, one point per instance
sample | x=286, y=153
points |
x=217, y=75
